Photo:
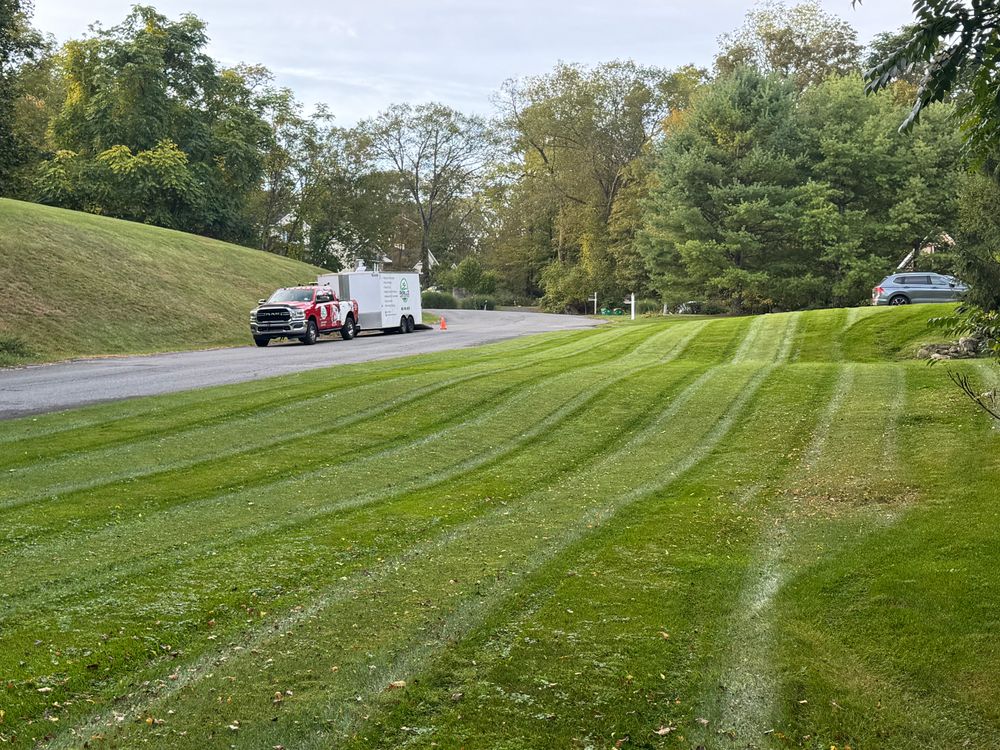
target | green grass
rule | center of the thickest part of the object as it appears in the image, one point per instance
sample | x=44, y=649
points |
x=75, y=284
x=772, y=532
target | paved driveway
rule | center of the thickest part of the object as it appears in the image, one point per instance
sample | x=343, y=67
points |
x=43, y=388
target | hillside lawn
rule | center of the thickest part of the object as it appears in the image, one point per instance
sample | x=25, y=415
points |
x=75, y=284
x=769, y=532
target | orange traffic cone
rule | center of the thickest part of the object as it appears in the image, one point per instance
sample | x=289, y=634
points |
x=444, y=326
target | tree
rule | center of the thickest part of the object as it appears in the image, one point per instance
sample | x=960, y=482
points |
x=768, y=198
x=438, y=155
x=578, y=135
x=141, y=85
x=19, y=43
x=885, y=44
x=803, y=43
x=954, y=46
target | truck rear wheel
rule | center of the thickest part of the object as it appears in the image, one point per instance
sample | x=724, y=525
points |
x=261, y=340
x=312, y=334
x=348, y=330
x=411, y=324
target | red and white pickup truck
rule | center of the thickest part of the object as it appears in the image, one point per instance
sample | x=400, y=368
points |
x=303, y=313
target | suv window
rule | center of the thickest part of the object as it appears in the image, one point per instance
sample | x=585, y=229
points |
x=940, y=281
x=902, y=280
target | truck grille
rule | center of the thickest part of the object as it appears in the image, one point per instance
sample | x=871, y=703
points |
x=274, y=315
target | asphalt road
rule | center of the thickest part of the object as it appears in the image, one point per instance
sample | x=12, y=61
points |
x=44, y=388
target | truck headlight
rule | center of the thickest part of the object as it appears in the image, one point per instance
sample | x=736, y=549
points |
x=253, y=316
x=298, y=314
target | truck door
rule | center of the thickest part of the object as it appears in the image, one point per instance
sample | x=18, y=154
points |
x=326, y=308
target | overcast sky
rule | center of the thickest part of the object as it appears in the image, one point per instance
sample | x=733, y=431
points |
x=362, y=55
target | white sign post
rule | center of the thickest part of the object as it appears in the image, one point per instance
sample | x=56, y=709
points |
x=595, y=303
x=632, y=302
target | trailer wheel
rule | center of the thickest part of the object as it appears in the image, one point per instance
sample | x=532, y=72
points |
x=347, y=330
x=261, y=340
x=411, y=326
x=312, y=334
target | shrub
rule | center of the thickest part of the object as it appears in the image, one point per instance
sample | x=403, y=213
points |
x=13, y=351
x=648, y=305
x=477, y=303
x=439, y=300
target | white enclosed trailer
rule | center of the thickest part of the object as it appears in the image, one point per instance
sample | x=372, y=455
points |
x=386, y=301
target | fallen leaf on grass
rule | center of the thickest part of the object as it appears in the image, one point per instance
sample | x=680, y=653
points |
x=278, y=697
x=395, y=685
x=664, y=731
x=621, y=742
x=235, y=726
x=703, y=722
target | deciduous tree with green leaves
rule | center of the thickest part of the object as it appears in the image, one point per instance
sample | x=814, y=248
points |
x=146, y=93
x=955, y=46
x=438, y=154
x=19, y=43
x=577, y=138
x=803, y=43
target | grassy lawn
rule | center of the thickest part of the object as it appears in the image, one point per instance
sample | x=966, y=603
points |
x=771, y=532
x=76, y=284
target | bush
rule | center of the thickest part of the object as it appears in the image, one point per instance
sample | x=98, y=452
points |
x=648, y=305
x=13, y=351
x=477, y=303
x=714, y=307
x=439, y=301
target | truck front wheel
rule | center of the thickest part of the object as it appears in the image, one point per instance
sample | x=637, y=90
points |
x=312, y=334
x=261, y=340
x=347, y=330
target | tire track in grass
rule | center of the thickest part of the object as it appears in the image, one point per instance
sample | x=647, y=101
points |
x=751, y=685
x=192, y=412
x=461, y=620
x=273, y=440
x=211, y=464
x=252, y=528
x=289, y=405
x=750, y=340
x=470, y=613
x=338, y=594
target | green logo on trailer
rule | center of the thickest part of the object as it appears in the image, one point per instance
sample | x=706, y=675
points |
x=404, y=290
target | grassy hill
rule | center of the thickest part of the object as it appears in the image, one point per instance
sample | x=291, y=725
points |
x=75, y=284
x=761, y=532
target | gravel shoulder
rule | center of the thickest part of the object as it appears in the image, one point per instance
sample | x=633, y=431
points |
x=45, y=388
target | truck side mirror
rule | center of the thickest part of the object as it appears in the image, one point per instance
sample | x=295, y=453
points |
x=261, y=301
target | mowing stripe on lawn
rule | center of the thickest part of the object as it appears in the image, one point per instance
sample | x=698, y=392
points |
x=295, y=516
x=749, y=384
x=325, y=421
x=145, y=417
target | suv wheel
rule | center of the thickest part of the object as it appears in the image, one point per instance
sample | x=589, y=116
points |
x=347, y=330
x=312, y=334
x=261, y=340
x=899, y=299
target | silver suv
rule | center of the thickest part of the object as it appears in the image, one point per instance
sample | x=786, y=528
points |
x=904, y=288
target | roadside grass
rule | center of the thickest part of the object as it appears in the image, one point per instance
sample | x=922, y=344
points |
x=731, y=533
x=14, y=351
x=76, y=284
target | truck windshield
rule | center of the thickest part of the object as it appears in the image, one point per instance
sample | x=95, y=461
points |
x=292, y=295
